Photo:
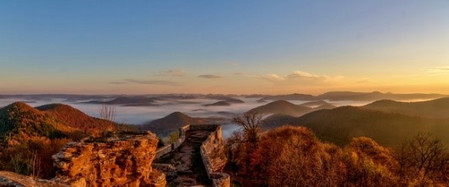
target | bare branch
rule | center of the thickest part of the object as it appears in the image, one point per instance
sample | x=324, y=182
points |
x=107, y=112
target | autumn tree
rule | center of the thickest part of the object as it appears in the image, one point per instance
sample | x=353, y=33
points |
x=369, y=164
x=423, y=158
x=293, y=156
x=251, y=124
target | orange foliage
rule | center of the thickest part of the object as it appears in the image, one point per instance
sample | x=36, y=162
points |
x=369, y=164
x=32, y=157
x=292, y=156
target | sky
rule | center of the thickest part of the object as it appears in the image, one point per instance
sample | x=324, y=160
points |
x=233, y=46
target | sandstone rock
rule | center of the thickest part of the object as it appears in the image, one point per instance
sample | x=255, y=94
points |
x=122, y=161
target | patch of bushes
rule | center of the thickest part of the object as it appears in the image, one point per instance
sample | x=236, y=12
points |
x=293, y=156
x=32, y=156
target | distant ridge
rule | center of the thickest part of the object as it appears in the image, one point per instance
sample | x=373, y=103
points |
x=352, y=96
x=438, y=108
x=128, y=101
x=281, y=107
x=373, y=96
x=295, y=96
x=285, y=108
x=340, y=125
x=219, y=103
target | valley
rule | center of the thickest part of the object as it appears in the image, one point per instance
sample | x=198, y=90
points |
x=43, y=130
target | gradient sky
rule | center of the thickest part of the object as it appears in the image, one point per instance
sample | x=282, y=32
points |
x=232, y=46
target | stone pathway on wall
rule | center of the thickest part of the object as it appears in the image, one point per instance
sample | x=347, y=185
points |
x=187, y=160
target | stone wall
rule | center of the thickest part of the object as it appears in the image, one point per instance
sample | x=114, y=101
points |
x=212, y=153
x=214, y=158
x=122, y=161
x=169, y=148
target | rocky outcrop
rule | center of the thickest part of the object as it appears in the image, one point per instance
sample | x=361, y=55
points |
x=114, y=161
x=126, y=160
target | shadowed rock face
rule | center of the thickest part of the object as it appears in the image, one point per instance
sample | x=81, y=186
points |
x=118, y=161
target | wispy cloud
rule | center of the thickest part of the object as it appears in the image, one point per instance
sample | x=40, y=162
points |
x=172, y=73
x=154, y=82
x=272, y=77
x=240, y=73
x=208, y=76
x=364, y=81
x=118, y=82
x=301, y=76
x=438, y=70
x=444, y=68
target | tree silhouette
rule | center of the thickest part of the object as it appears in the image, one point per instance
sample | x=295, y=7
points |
x=251, y=123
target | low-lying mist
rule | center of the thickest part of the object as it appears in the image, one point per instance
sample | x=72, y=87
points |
x=194, y=107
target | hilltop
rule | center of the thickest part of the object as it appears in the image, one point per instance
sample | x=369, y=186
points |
x=341, y=124
x=19, y=120
x=438, y=108
x=386, y=121
x=74, y=118
x=30, y=136
x=282, y=107
x=170, y=123
x=50, y=120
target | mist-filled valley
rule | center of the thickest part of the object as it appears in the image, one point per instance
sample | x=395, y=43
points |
x=142, y=109
x=336, y=129
x=224, y=93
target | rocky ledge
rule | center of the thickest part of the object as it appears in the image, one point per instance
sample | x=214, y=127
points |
x=123, y=160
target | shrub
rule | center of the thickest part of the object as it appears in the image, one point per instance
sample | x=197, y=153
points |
x=292, y=156
x=32, y=157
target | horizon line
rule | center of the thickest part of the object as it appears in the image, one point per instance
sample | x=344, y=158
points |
x=117, y=94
